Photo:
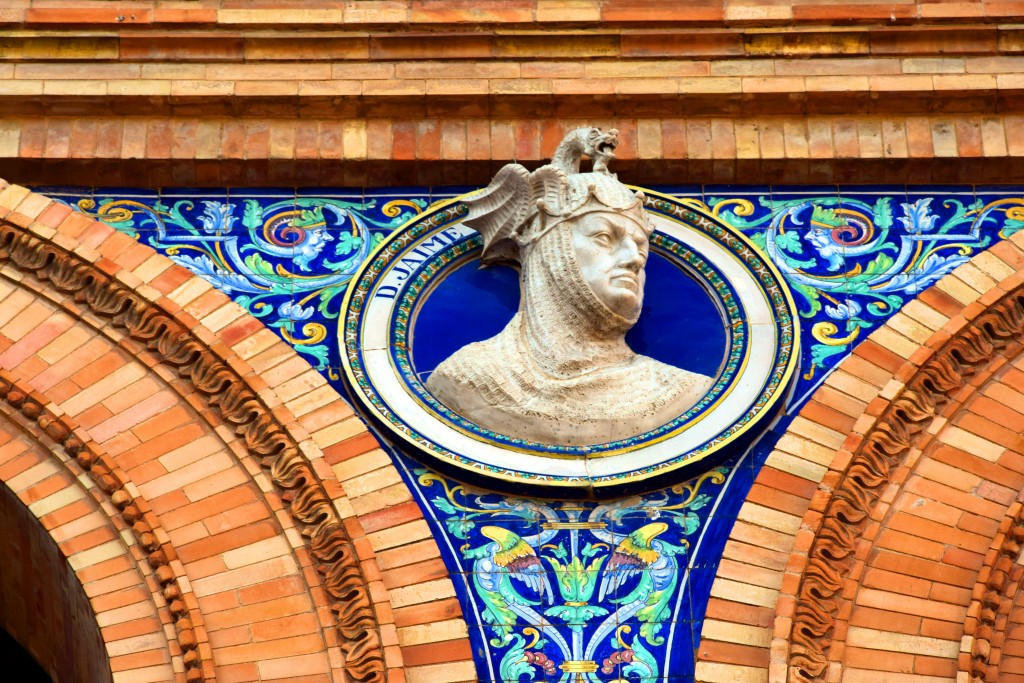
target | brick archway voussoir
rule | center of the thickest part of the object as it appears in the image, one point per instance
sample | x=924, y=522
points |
x=811, y=493
x=318, y=458
x=115, y=602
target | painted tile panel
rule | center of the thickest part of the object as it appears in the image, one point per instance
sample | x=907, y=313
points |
x=583, y=591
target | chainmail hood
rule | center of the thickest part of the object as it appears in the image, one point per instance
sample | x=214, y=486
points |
x=561, y=371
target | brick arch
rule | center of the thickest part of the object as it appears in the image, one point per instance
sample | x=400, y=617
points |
x=107, y=538
x=853, y=555
x=287, y=529
x=992, y=639
x=45, y=598
x=1007, y=648
x=936, y=544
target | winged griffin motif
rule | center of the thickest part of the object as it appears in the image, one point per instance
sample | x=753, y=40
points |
x=509, y=557
x=633, y=555
x=575, y=592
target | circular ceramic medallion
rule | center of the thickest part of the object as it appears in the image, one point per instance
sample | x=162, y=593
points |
x=712, y=305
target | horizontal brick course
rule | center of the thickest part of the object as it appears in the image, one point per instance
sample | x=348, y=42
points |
x=221, y=150
x=233, y=42
x=167, y=84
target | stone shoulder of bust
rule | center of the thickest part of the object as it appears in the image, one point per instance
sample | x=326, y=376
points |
x=513, y=398
x=561, y=372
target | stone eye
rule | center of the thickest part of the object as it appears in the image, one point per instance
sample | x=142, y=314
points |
x=603, y=239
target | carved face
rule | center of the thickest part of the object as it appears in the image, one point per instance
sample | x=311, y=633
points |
x=611, y=252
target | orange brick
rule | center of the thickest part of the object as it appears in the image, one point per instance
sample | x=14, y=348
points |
x=438, y=610
x=436, y=653
x=733, y=653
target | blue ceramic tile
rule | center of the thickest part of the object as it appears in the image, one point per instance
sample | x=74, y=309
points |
x=1001, y=190
x=129, y=201
x=859, y=190
x=449, y=191
x=411, y=191
x=787, y=192
x=123, y=192
x=131, y=215
x=271, y=193
x=84, y=203
x=747, y=211
x=387, y=212
x=680, y=190
x=947, y=190
x=547, y=653
x=70, y=200
x=812, y=190
x=730, y=190
x=1000, y=215
x=346, y=193
x=63, y=191
x=941, y=217
x=190, y=193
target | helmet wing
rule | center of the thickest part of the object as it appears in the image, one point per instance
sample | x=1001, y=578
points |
x=499, y=210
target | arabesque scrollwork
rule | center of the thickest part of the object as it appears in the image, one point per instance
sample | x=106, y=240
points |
x=853, y=263
x=286, y=261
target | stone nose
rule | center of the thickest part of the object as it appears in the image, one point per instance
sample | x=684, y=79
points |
x=628, y=254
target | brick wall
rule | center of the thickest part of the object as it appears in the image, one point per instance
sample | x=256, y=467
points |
x=384, y=92
x=388, y=92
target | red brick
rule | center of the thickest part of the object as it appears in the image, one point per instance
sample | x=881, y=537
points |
x=503, y=140
x=170, y=15
x=852, y=14
x=431, y=46
x=732, y=653
x=58, y=139
x=404, y=140
x=483, y=11
x=681, y=44
x=438, y=610
x=527, y=135
x=180, y=48
x=32, y=143
x=673, y=139
x=69, y=15
x=428, y=140
x=654, y=10
x=436, y=653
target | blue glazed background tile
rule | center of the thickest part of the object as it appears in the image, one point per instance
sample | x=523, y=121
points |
x=691, y=191
x=265, y=193
x=55, y=191
x=449, y=191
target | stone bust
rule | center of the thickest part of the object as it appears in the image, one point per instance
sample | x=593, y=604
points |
x=561, y=372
